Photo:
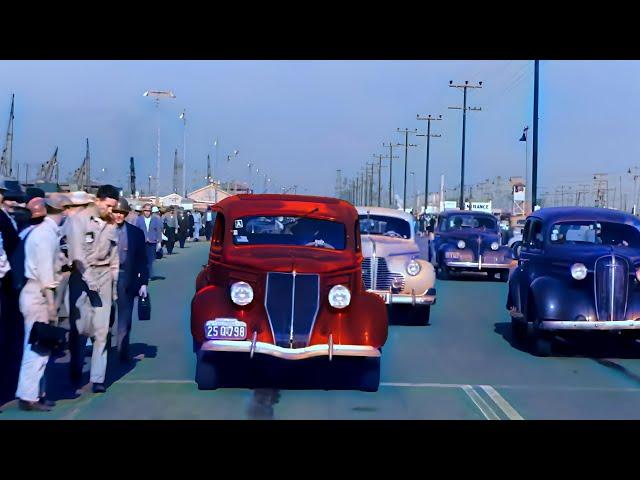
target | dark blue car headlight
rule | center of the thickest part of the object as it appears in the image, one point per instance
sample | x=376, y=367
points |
x=495, y=246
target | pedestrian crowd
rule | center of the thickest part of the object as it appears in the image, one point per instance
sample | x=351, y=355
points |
x=71, y=266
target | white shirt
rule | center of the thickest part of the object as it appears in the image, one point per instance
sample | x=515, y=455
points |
x=41, y=250
x=147, y=222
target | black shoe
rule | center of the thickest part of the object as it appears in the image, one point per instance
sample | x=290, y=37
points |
x=46, y=402
x=33, y=406
x=99, y=388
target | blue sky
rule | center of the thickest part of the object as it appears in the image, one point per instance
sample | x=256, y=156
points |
x=299, y=121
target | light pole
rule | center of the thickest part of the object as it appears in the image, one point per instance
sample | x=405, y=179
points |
x=464, y=109
x=429, y=119
x=183, y=117
x=149, y=185
x=157, y=95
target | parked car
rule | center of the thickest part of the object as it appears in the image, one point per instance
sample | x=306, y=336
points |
x=391, y=267
x=578, y=270
x=469, y=241
x=283, y=286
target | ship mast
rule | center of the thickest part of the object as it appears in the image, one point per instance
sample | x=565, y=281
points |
x=6, y=161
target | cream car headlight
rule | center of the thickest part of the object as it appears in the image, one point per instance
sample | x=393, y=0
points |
x=339, y=296
x=578, y=271
x=638, y=274
x=241, y=293
x=495, y=246
x=413, y=268
x=461, y=244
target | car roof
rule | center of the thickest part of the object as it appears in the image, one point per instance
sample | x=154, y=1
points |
x=245, y=205
x=387, y=212
x=578, y=214
x=475, y=213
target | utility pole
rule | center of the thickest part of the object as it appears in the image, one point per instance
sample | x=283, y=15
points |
x=379, y=157
x=406, y=146
x=338, y=185
x=429, y=119
x=157, y=95
x=370, y=183
x=635, y=189
x=534, y=159
x=390, y=157
x=464, y=109
x=132, y=177
x=183, y=117
x=175, y=172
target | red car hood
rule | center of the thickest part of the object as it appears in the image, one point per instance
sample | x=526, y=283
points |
x=286, y=259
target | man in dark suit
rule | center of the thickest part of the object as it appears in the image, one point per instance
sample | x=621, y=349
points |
x=11, y=322
x=133, y=276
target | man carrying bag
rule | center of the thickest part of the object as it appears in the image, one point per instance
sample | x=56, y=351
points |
x=38, y=306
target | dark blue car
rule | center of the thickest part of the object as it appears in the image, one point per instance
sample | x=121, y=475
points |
x=468, y=241
x=578, y=270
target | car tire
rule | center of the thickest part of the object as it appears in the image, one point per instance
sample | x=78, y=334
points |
x=504, y=276
x=541, y=340
x=423, y=314
x=443, y=271
x=369, y=380
x=519, y=331
x=206, y=372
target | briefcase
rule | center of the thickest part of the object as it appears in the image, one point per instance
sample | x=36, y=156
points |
x=44, y=338
x=144, y=308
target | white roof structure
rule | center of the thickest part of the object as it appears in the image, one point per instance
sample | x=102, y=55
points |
x=209, y=194
x=387, y=212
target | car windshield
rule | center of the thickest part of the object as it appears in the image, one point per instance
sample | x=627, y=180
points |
x=280, y=230
x=382, y=225
x=457, y=222
x=595, y=233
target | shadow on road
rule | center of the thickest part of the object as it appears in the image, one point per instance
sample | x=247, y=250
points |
x=471, y=277
x=598, y=347
x=58, y=383
x=261, y=403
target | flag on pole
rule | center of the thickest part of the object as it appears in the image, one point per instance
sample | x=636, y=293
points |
x=523, y=138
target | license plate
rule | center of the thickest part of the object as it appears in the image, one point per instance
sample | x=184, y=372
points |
x=451, y=255
x=225, y=329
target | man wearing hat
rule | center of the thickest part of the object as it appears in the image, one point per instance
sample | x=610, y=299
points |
x=37, y=301
x=11, y=325
x=133, y=275
x=93, y=253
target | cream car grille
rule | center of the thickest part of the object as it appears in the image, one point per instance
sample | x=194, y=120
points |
x=376, y=274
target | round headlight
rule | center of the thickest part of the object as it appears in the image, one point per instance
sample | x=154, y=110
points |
x=578, y=271
x=638, y=274
x=413, y=268
x=241, y=293
x=339, y=296
x=461, y=244
x=495, y=246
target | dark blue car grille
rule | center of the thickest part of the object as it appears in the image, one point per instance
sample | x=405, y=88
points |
x=286, y=293
x=383, y=276
x=611, y=281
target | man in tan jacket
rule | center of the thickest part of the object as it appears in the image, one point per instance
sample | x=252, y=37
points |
x=93, y=253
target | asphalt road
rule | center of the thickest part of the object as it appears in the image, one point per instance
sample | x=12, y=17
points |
x=462, y=366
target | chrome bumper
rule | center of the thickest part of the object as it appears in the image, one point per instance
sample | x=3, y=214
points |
x=404, y=298
x=586, y=325
x=478, y=265
x=319, y=350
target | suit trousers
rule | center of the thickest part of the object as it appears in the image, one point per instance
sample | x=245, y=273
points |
x=151, y=256
x=125, y=313
x=11, y=339
x=101, y=320
x=33, y=306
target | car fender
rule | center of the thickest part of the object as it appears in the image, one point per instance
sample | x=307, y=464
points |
x=558, y=299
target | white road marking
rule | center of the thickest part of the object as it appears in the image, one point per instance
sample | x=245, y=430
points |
x=422, y=385
x=483, y=406
x=500, y=401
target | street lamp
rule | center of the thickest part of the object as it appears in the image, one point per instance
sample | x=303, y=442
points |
x=149, y=185
x=157, y=95
x=183, y=117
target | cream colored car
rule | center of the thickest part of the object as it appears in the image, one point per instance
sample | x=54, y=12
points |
x=392, y=266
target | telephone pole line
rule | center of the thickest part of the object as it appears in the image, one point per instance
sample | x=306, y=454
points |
x=379, y=157
x=390, y=157
x=429, y=119
x=406, y=146
x=464, y=109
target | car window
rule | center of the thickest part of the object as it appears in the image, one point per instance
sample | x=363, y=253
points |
x=459, y=222
x=386, y=226
x=595, y=233
x=535, y=235
x=281, y=230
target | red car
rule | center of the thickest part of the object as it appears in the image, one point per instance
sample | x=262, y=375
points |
x=283, y=291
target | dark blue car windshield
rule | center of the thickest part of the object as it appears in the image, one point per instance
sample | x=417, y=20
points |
x=595, y=233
